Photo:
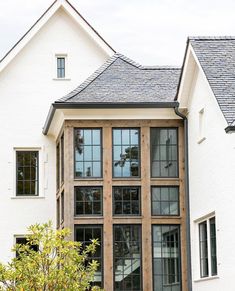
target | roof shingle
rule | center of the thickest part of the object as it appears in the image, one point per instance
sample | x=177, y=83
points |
x=121, y=80
x=217, y=58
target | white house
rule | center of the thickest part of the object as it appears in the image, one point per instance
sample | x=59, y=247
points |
x=206, y=92
x=140, y=157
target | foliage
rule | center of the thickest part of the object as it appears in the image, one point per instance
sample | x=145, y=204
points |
x=59, y=264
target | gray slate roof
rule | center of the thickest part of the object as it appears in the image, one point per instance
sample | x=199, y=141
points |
x=121, y=80
x=217, y=58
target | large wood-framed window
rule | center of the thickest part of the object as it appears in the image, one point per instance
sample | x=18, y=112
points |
x=166, y=258
x=88, y=201
x=127, y=257
x=87, y=152
x=126, y=152
x=165, y=200
x=164, y=152
x=126, y=200
x=84, y=234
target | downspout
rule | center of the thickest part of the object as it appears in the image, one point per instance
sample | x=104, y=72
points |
x=187, y=198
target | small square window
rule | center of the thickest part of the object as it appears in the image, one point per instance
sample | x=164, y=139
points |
x=24, y=241
x=27, y=173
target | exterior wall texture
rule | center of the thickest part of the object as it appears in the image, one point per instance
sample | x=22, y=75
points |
x=27, y=89
x=211, y=164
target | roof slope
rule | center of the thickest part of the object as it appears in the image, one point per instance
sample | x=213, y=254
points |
x=121, y=80
x=217, y=58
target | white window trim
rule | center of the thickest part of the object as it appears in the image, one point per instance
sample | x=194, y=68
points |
x=65, y=56
x=201, y=125
x=198, y=277
x=40, y=174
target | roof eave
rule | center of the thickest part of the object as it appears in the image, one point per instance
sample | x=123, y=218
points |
x=102, y=105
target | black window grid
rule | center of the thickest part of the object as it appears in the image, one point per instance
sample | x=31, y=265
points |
x=165, y=150
x=167, y=202
x=89, y=171
x=124, y=201
x=129, y=161
x=168, y=275
x=87, y=233
x=127, y=252
x=27, y=186
x=84, y=202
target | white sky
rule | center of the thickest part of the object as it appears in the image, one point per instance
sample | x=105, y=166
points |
x=151, y=32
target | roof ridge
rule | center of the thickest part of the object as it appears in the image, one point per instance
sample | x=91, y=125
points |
x=198, y=38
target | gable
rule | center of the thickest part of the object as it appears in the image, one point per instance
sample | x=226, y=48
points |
x=73, y=14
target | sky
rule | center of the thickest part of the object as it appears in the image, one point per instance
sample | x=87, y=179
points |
x=151, y=32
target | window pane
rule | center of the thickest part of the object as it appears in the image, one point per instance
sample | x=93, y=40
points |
x=127, y=257
x=126, y=152
x=213, y=246
x=27, y=173
x=203, y=249
x=84, y=234
x=165, y=200
x=164, y=152
x=126, y=201
x=88, y=200
x=60, y=67
x=166, y=258
x=87, y=152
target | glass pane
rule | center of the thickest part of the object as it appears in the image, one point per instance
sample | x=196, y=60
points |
x=96, y=169
x=96, y=153
x=96, y=136
x=134, y=136
x=87, y=153
x=117, y=137
x=125, y=136
x=87, y=137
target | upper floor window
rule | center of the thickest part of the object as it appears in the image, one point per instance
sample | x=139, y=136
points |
x=27, y=173
x=88, y=200
x=164, y=152
x=87, y=148
x=126, y=152
x=126, y=200
x=60, y=61
x=165, y=200
x=207, y=246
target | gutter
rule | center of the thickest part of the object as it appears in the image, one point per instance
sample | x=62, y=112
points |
x=102, y=105
x=187, y=198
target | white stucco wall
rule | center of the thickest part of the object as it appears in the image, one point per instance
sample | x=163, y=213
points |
x=27, y=89
x=212, y=184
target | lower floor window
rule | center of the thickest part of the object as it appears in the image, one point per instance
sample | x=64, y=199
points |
x=84, y=234
x=24, y=241
x=166, y=258
x=127, y=258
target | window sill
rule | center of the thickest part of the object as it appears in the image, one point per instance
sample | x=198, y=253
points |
x=27, y=197
x=61, y=79
x=201, y=140
x=206, y=279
